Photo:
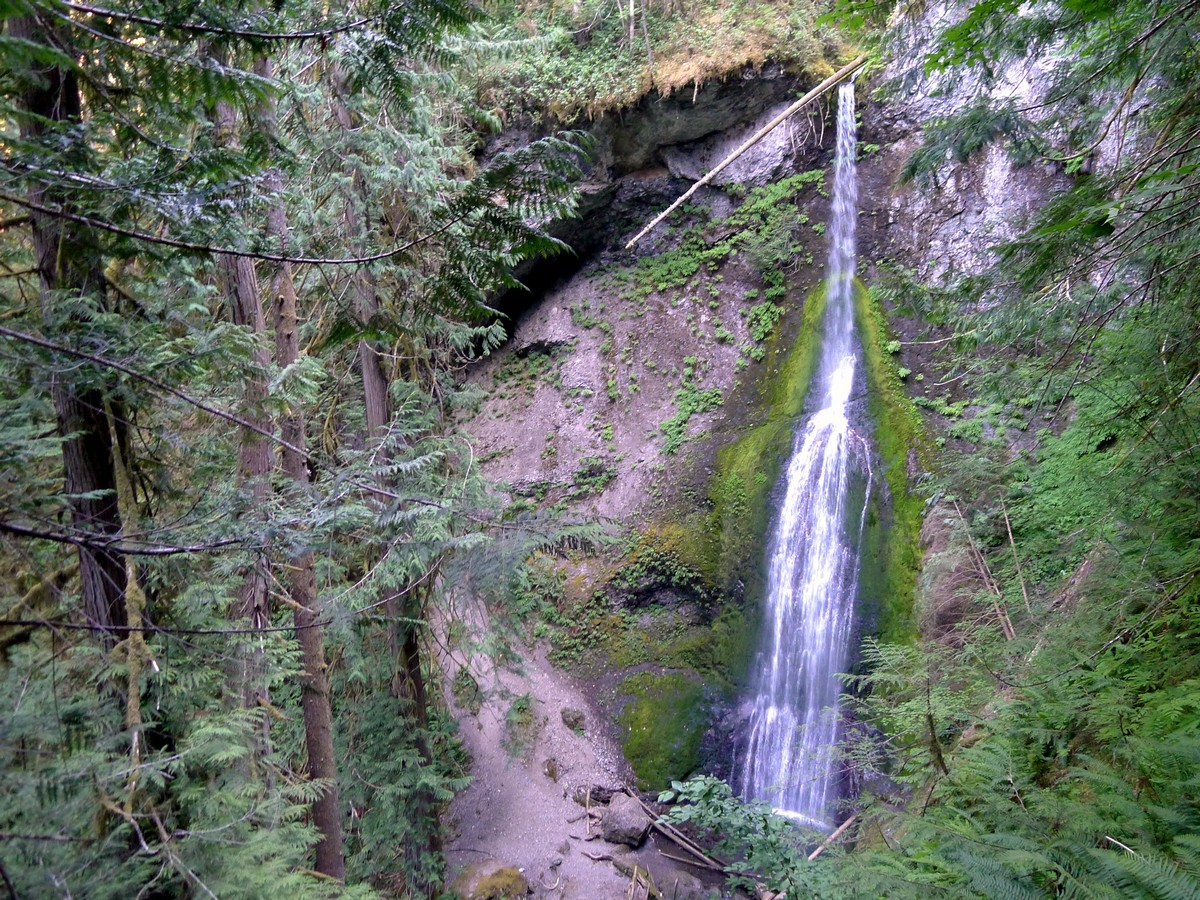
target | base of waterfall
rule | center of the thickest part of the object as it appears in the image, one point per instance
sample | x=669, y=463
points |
x=801, y=819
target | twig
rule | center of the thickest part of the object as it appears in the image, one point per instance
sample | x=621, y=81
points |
x=822, y=88
x=1016, y=559
x=12, y=891
x=201, y=28
x=1126, y=848
x=699, y=864
x=986, y=574
x=55, y=838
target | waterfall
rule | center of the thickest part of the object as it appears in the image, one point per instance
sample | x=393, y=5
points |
x=813, y=574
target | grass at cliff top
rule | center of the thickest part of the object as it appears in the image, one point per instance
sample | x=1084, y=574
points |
x=579, y=60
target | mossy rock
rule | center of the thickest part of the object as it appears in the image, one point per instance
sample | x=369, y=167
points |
x=891, y=551
x=664, y=722
x=719, y=651
x=521, y=726
x=490, y=880
x=467, y=693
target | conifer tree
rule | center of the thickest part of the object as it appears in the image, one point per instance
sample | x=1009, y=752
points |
x=70, y=272
x=172, y=180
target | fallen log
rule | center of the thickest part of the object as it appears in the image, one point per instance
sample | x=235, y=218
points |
x=823, y=88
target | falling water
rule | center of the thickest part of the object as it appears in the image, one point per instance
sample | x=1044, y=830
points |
x=813, y=574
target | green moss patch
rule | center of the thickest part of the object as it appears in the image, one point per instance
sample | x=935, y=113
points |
x=520, y=727
x=663, y=721
x=718, y=651
x=466, y=690
x=748, y=468
x=891, y=552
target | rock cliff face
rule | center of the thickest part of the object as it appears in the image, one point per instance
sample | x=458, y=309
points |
x=636, y=139
x=942, y=227
x=592, y=371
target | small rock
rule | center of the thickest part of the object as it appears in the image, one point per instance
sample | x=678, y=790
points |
x=689, y=887
x=624, y=822
x=574, y=719
x=490, y=880
x=564, y=848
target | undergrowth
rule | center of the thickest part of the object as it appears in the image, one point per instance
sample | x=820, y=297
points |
x=570, y=62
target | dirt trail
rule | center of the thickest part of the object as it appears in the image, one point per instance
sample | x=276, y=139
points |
x=521, y=809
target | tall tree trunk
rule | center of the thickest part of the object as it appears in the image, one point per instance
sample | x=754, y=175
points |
x=404, y=638
x=239, y=282
x=68, y=259
x=302, y=584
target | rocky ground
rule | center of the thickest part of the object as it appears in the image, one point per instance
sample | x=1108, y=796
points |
x=547, y=793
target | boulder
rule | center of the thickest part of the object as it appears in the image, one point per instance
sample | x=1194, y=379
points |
x=490, y=880
x=624, y=821
x=689, y=887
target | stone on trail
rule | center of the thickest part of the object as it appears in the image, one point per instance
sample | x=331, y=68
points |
x=574, y=719
x=624, y=822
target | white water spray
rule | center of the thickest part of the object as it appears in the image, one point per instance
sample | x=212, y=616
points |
x=813, y=576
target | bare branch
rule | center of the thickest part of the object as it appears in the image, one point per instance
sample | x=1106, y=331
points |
x=194, y=28
x=117, y=544
x=61, y=213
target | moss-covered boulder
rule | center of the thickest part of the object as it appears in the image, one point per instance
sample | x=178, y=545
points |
x=663, y=722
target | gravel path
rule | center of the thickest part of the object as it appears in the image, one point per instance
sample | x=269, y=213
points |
x=524, y=809
x=520, y=810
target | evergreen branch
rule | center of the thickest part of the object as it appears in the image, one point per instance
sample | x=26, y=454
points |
x=205, y=407
x=61, y=213
x=154, y=629
x=219, y=29
x=1120, y=637
x=142, y=48
x=55, y=838
x=167, y=630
